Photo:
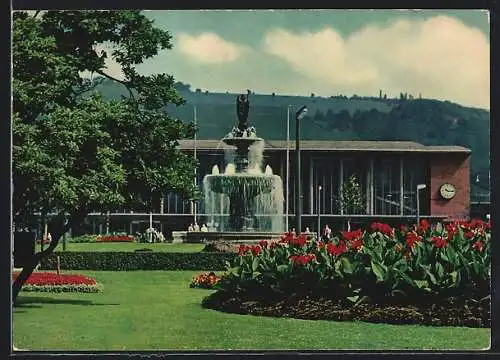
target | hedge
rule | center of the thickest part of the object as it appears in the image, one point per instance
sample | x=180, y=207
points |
x=126, y=261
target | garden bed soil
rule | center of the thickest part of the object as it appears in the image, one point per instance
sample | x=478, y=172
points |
x=445, y=312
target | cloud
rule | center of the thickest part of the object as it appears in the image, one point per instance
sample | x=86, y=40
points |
x=439, y=57
x=111, y=67
x=209, y=48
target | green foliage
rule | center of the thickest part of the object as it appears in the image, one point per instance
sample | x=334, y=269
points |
x=352, y=201
x=450, y=260
x=75, y=151
x=128, y=261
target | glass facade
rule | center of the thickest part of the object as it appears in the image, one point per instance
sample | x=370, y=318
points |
x=415, y=171
x=387, y=182
x=326, y=175
x=387, y=185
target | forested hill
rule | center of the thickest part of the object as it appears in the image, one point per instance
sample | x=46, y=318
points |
x=430, y=122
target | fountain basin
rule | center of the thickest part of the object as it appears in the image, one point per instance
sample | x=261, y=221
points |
x=241, y=142
x=232, y=236
x=243, y=184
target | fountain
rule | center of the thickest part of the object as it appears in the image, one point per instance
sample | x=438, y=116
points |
x=245, y=202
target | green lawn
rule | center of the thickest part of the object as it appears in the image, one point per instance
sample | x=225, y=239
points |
x=156, y=310
x=164, y=247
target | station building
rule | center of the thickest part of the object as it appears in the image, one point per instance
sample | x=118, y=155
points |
x=391, y=175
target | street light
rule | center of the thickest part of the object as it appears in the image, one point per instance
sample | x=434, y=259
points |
x=299, y=115
x=419, y=187
x=287, y=165
x=319, y=213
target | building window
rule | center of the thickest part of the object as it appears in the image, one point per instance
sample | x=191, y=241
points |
x=415, y=171
x=387, y=185
x=326, y=175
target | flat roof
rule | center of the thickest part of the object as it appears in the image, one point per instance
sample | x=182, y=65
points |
x=334, y=145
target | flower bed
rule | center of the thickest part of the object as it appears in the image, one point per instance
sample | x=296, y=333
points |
x=381, y=265
x=115, y=238
x=206, y=280
x=53, y=282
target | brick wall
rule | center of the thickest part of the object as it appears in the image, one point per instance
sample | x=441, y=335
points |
x=450, y=168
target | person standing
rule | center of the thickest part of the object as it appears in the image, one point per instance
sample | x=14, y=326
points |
x=327, y=232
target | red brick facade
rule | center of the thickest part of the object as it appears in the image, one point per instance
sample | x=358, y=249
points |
x=450, y=168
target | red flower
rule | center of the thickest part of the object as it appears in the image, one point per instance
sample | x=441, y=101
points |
x=256, y=250
x=46, y=278
x=469, y=235
x=477, y=224
x=336, y=250
x=287, y=237
x=115, y=238
x=357, y=244
x=439, y=242
x=273, y=245
x=478, y=245
x=302, y=260
x=383, y=228
x=243, y=250
x=450, y=227
x=263, y=244
x=423, y=226
x=352, y=235
x=355, y=239
x=300, y=240
x=412, y=238
x=205, y=280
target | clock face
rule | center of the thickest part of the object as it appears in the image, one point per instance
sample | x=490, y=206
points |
x=447, y=191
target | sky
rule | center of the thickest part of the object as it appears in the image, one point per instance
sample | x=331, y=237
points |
x=440, y=54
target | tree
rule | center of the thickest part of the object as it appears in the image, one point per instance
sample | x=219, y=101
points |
x=342, y=120
x=73, y=151
x=351, y=198
x=318, y=116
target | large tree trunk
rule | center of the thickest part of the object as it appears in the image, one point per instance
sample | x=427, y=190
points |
x=58, y=229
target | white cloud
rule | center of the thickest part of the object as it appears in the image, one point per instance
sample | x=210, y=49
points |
x=111, y=67
x=439, y=57
x=209, y=48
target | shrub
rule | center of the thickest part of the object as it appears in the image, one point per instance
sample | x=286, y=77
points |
x=382, y=262
x=206, y=280
x=53, y=282
x=127, y=261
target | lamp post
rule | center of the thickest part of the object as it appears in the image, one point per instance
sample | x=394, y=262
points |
x=419, y=187
x=319, y=213
x=195, y=168
x=299, y=115
x=287, y=166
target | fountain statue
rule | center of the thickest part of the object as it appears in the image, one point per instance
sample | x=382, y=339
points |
x=243, y=198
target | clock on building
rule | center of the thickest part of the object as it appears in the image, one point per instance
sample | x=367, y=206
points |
x=447, y=191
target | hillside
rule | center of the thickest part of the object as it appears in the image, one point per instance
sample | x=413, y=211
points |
x=430, y=122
